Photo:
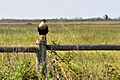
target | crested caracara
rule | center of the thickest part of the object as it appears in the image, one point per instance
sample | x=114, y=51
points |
x=43, y=29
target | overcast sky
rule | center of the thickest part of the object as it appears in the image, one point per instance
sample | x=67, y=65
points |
x=37, y=9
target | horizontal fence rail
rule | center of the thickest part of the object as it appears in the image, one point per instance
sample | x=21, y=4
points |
x=62, y=48
x=83, y=47
x=18, y=49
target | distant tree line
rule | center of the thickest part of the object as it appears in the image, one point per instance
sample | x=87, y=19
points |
x=105, y=17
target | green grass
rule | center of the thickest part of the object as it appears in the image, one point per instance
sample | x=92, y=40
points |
x=73, y=65
x=63, y=32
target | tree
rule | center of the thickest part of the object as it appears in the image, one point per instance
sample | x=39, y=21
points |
x=105, y=17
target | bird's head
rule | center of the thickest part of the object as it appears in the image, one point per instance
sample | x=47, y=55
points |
x=44, y=20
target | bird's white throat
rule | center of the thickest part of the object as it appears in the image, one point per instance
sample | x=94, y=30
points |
x=42, y=25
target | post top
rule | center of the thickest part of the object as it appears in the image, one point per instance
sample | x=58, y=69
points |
x=40, y=41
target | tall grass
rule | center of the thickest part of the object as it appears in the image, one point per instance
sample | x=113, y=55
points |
x=71, y=65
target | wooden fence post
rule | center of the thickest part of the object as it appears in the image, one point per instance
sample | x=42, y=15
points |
x=41, y=56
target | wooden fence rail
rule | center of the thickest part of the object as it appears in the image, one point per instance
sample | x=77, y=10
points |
x=83, y=47
x=41, y=47
x=18, y=49
x=61, y=47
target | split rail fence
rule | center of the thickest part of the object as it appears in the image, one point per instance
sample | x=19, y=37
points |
x=42, y=47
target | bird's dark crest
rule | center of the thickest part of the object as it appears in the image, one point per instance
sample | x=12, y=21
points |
x=43, y=20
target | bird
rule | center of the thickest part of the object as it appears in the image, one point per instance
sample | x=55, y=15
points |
x=43, y=29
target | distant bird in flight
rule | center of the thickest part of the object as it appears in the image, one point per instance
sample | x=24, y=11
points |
x=43, y=29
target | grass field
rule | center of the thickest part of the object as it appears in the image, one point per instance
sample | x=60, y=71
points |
x=75, y=65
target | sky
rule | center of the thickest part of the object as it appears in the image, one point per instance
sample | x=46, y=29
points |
x=37, y=9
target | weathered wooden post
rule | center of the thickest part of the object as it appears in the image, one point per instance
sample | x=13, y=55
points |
x=41, y=56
